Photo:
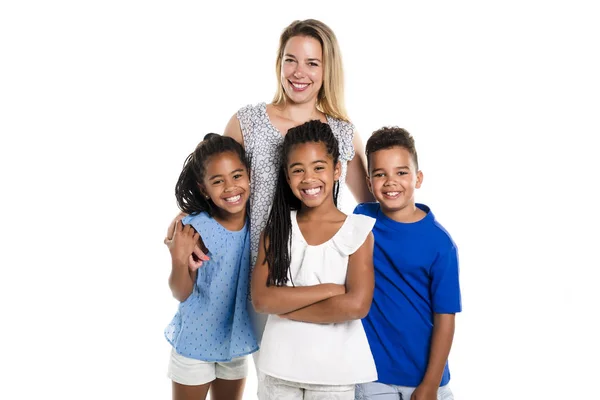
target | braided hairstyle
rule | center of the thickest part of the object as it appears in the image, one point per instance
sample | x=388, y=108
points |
x=189, y=197
x=278, y=231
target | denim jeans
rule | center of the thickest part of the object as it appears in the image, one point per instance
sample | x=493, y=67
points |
x=381, y=391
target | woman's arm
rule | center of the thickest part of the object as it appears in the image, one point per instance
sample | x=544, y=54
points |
x=181, y=280
x=356, y=178
x=356, y=302
x=284, y=299
x=234, y=130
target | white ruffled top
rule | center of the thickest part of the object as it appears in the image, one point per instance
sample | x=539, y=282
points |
x=326, y=354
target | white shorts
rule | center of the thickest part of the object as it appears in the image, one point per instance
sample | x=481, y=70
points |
x=187, y=371
x=279, y=389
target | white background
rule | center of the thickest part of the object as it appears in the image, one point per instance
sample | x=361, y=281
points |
x=100, y=102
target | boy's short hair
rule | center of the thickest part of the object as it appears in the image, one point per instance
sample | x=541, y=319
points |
x=388, y=137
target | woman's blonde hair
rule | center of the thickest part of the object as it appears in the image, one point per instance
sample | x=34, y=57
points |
x=330, y=99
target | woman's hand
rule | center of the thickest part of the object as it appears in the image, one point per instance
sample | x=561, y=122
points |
x=196, y=256
x=181, y=245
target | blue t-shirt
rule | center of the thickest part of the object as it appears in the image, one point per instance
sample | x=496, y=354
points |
x=213, y=323
x=416, y=275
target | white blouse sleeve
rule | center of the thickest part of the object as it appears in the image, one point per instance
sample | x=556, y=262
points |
x=353, y=233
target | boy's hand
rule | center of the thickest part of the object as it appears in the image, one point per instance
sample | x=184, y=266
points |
x=183, y=242
x=425, y=392
x=196, y=257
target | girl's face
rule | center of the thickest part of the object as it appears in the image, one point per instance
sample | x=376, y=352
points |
x=311, y=174
x=226, y=182
x=302, y=69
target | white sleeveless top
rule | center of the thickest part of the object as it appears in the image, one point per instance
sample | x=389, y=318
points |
x=263, y=142
x=325, y=354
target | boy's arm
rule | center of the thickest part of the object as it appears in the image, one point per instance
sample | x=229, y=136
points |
x=446, y=301
x=284, y=299
x=356, y=302
x=441, y=342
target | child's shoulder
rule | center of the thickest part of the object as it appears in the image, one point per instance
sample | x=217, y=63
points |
x=437, y=231
x=368, y=209
x=200, y=221
x=360, y=221
x=196, y=217
x=353, y=233
x=443, y=237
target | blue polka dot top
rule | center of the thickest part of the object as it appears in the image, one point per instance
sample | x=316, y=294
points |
x=213, y=324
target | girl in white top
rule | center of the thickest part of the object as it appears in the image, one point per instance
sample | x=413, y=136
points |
x=314, y=276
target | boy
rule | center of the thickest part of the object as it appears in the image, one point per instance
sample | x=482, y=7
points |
x=411, y=322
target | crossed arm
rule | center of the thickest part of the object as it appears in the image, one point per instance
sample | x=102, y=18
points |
x=284, y=299
x=355, y=302
x=324, y=303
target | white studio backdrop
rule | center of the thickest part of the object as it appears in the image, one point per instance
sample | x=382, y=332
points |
x=100, y=103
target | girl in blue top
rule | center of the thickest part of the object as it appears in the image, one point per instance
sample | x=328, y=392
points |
x=211, y=333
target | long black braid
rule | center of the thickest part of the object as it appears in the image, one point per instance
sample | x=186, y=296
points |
x=278, y=232
x=189, y=198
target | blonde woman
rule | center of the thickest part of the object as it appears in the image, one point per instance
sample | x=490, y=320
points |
x=310, y=87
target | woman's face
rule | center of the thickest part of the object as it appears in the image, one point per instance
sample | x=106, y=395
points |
x=302, y=69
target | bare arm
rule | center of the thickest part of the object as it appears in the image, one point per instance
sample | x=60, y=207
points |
x=283, y=299
x=234, y=130
x=441, y=342
x=181, y=280
x=356, y=302
x=357, y=173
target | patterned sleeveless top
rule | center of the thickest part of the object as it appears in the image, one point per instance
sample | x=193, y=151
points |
x=262, y=142
x=213, y=323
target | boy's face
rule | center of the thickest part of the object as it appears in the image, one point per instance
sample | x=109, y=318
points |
x=393, y=178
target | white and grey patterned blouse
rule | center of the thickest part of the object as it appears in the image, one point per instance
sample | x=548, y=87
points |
x=262, y=142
